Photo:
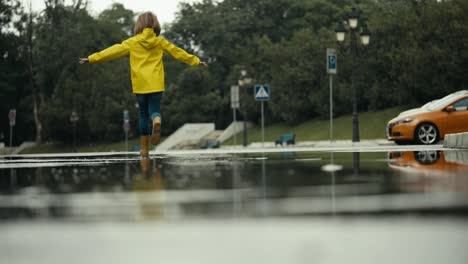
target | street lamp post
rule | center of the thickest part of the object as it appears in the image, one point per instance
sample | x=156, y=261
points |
x=12, y=118
x=74, y=118
x=243, y=82
x=234, y=105
x=353, y=24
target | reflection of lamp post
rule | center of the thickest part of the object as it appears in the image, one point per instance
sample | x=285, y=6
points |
x=244, y=81
x=356, y=163
x=332, y=168
x=353, y=21
x=74, y=118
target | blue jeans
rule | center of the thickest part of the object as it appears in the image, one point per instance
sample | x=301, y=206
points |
x=150, y=107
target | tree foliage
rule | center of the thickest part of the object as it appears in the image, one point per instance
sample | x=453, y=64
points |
x=418, y=52
x=12, y=67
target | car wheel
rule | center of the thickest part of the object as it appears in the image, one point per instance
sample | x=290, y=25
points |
x=426, y=134
x=427, y=157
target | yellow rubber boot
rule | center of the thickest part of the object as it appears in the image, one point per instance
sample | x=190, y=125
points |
x=156, y=134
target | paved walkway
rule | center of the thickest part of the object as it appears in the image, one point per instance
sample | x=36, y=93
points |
x=327, y=143
x=247, y=241
x=310, y=146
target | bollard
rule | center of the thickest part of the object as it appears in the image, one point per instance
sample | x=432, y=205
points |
x=464, y=140
x=459, y=140
x=449, y=141
x=446, y=141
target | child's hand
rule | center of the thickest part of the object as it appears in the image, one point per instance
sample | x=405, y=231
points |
x=83, y=61
x=203, y=64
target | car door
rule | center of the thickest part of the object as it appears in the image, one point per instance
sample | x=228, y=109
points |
x=457, y=121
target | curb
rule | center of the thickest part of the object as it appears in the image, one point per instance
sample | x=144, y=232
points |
x=456, y=141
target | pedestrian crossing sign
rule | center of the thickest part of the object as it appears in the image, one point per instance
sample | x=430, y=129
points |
x=262, y=92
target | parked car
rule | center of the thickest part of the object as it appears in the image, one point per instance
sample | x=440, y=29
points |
x=288, y=139
x=431, y=122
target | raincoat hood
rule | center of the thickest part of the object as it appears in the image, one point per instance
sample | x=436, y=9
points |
x=148, y=38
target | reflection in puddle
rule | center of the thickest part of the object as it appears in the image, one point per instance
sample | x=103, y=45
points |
x=172, y=188
x=431, y=170
x=434, y=161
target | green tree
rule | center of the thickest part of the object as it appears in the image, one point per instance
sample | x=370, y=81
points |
x=98, y=93
x=194, y=99
x=417, y=53
x=12, y=69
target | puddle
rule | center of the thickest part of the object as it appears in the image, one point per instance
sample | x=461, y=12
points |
x=408, y=207
x=236, y=185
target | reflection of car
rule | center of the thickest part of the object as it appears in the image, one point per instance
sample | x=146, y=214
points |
x=431, y=122
x=430, y=170
x=430, y=161
x=289, y=139
x=416, y=159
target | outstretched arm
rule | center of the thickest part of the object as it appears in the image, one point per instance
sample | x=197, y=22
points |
x=111, y=53
x=180, y=54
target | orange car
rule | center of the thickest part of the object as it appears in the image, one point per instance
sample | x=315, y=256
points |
x=431, y=122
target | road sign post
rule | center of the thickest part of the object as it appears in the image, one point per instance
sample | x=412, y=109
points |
x=74, y=118
x=126, y=127
x=262, y=93
x=235, y=105
x=331, y=69
x=12, y=119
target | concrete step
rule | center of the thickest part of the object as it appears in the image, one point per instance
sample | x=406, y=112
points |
x=233, y=128
x=214, y=135
x=187, y=136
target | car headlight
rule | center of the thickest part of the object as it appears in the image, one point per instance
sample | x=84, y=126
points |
x=404, y=121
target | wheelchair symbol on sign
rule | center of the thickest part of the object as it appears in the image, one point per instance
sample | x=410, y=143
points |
x=332, y=62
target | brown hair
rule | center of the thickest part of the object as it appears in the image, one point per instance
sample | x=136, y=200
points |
x=147, y=20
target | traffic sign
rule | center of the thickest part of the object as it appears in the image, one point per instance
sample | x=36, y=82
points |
x=235, y=97
x=12, y=117
x=262, y=92
x=331, y=61
x=126, y=116
x=126, y=126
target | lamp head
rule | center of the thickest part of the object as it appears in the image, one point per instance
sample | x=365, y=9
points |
x=353, y=19
x=243, y=72
x=340, y=32
x=365, y=35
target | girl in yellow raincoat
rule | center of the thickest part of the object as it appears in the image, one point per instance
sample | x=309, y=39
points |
x=146, y=49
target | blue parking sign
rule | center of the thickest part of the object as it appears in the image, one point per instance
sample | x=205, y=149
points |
x=331, y=61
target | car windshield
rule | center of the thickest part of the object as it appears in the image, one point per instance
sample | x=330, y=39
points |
x=436, y=104
x=428, y=105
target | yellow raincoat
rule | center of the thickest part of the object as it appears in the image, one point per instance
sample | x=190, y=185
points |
x=146, y=52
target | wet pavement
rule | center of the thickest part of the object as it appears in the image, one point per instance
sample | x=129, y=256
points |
x=283, y=207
